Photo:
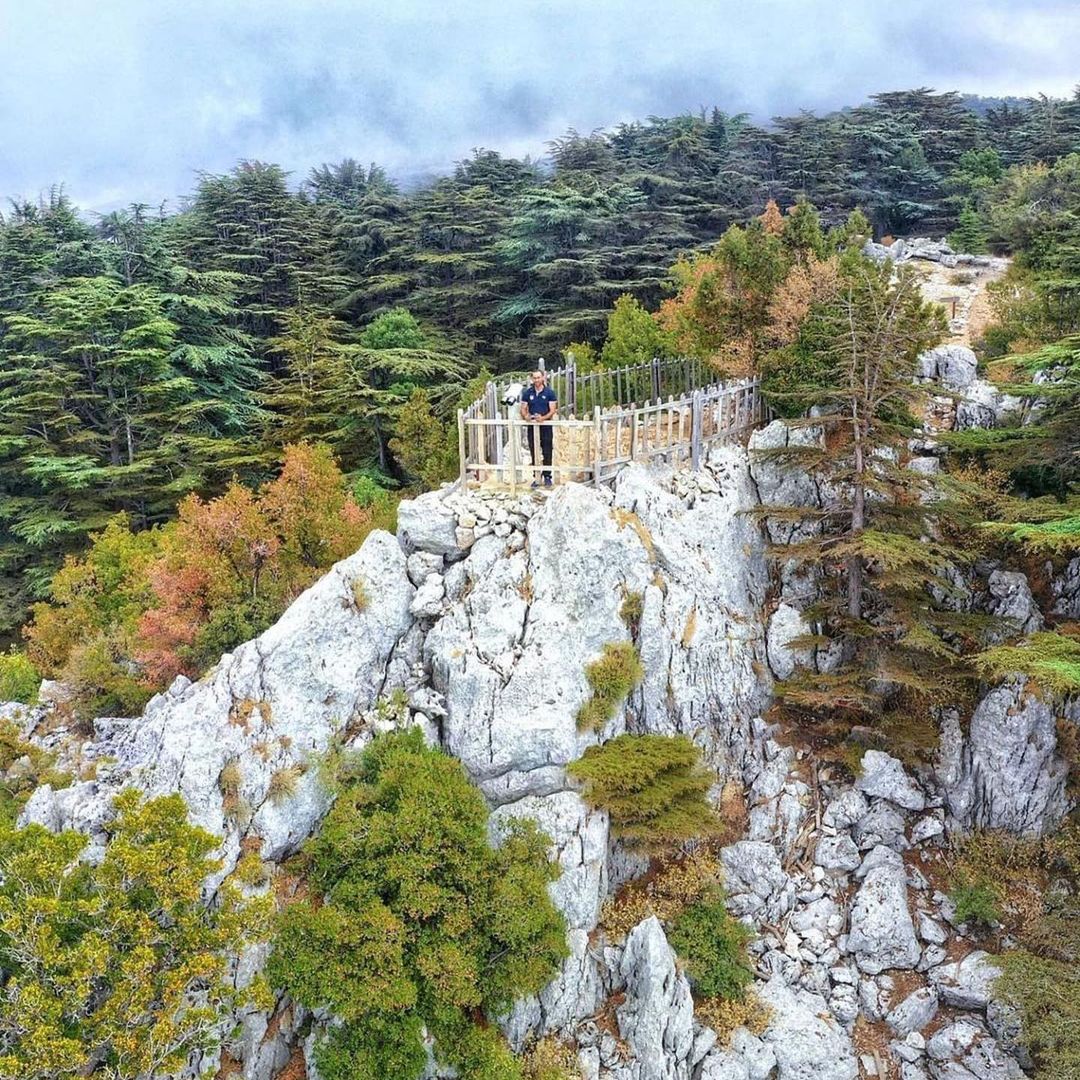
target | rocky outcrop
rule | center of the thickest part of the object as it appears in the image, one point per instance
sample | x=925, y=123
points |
x=270, y=705
x=953, y=366
x=478, y=620
x=657, y=1018
x=881, y=935
x=807, y=1042
x=1006, y=774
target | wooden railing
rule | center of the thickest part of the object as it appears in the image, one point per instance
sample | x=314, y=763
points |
x=600, y=427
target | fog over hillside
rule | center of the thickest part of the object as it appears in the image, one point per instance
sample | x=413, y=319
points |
x=128, y=100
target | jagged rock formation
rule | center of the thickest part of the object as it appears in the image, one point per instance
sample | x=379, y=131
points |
x=477, y=621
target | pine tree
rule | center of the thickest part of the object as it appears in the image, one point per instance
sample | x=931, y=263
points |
x=969, y=235
x=877, y=552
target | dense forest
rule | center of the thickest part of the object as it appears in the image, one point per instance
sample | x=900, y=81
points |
x=150, y=359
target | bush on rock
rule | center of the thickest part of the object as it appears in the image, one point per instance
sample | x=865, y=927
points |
x=613, y=676
x=419, y=923
x=118, y=969
x=713, y=946
x=653, y=786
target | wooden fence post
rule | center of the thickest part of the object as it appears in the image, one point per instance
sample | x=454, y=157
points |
x=462, y=456
x=513, y=453
x=490, y=431
x=596, y=446
x=695, y=430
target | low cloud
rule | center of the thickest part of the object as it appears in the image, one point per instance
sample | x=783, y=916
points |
x=123, y=99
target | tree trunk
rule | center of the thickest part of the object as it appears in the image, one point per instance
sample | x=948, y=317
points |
x=858, y=523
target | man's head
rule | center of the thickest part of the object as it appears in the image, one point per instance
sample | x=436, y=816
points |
x=538, y=379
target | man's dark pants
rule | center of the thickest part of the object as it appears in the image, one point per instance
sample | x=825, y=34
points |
x=546, y=433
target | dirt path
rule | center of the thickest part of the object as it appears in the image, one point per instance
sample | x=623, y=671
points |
x=962, y=292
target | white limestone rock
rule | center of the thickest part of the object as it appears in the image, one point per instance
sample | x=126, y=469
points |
x=785, y=625
x=267, y=706
x=914, y=1012
x=881, y=935
x=808, y=1042
x=657, y=1018
x=1011, y=600
x=1007, y=773
x=700, y=636
x=966, y=983
x=952, y=365
x=426, y=523
x=755, y=880
x=847, y=808
x=837, y=853
x=883, y=776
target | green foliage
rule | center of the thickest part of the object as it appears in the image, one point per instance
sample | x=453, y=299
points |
x=146, y=356
x=976, y=900
x=631, y=610
x=712, y=945
x=19, y=679
x=1050, y=660
x=23, y=767
x=1046, y=994
x=120, y=967
x=421, y=443
x=421, y=921
x=969, y=235
x=633, y=335
x=397, y=329
x=653, y=786
x=882, y=576
x=141, y=607
x=614, y=675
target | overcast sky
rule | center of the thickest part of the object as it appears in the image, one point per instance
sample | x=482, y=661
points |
x=127, y=99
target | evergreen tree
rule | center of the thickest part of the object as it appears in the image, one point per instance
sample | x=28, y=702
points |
x=877, y=553
x=969, y=235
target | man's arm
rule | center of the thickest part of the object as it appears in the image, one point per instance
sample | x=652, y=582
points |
x=552, y=409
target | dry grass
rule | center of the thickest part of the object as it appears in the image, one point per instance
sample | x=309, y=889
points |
x=295, y=1067
x=873, y=1039
x=668, y=889
x=690, y=629
x=627, y=519
x=550, y=1059
x=360, y=597
x=240, y=715
x=724, y=1015
x=283, y=784
x=229, y=781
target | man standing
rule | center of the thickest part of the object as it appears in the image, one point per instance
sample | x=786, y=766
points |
x=538, y=406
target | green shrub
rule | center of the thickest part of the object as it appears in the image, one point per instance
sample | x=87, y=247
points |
x=117, y=969
x=653, y=786
x=630, y=612
x=1050, y=660
x=712, y=945
x=612, y=677
x=420, y=922
x=976, y=901
x=19, y=679
x=17, y=781
x=1046, y=994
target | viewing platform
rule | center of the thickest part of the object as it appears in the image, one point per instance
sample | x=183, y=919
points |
x=661, y=411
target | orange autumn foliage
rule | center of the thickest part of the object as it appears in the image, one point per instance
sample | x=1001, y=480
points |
x=811, y=282
x=140, y=608
x=247, y=552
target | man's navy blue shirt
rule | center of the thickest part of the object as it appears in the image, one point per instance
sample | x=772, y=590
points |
x=538, y=401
